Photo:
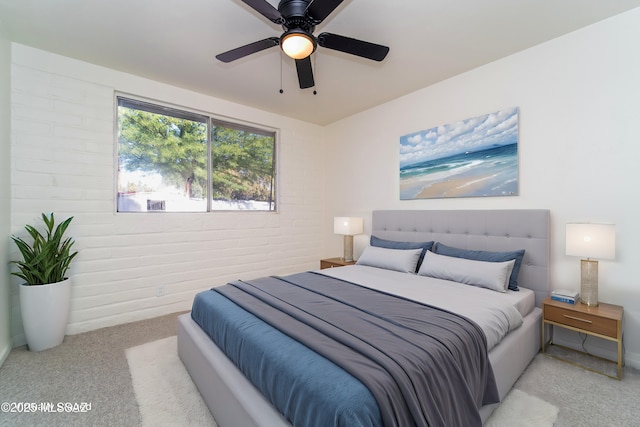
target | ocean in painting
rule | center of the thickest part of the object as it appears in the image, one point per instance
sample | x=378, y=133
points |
x=490, y=171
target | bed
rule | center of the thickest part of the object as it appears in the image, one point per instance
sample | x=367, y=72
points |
x=235, y=401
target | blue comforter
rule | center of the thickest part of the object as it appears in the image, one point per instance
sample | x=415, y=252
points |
x=306, y=388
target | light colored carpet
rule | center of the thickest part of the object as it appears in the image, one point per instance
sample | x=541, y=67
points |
x=163, y=388
x=586, y=399
x=167, y=396
x=520, y=409
x=92, y=367
x=89, y=367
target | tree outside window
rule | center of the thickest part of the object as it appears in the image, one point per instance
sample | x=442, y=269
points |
x=163, y=157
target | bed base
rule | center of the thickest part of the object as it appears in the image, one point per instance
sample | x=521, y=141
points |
x=231, y=398
x=234, y=401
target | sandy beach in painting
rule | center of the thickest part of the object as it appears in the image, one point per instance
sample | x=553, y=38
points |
x=454, y=187
x=492, y=172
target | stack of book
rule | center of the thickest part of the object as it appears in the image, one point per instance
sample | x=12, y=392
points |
x=565, y=295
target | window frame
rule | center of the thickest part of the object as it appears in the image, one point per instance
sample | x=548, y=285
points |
x=210, y=120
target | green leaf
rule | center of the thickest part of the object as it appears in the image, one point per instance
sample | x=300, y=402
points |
x=48, y=257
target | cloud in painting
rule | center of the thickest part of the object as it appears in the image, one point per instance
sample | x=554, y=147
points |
x=470, y=135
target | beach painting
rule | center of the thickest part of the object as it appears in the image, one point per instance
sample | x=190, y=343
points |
x=477, y=157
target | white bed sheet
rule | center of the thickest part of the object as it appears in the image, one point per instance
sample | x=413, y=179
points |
x=496, y=313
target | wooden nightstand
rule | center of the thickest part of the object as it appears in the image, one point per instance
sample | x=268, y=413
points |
x=334, y=262
x=603, y=321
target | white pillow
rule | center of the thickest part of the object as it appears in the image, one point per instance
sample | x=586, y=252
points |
x=404, y=260
x=491, y=275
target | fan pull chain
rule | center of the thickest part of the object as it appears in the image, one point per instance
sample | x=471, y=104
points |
x=315, y=92
x=281, y=90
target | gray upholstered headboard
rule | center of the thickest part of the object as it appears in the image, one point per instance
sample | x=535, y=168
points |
x=491, y=230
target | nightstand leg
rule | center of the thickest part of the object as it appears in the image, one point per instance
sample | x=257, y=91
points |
x=619, y=359
x=546, y=344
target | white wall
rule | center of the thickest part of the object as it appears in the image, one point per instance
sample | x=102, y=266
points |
x=5, y=189
x=578, y=149
x=62, y=160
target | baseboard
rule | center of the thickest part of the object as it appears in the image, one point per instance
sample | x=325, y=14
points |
x=632, y=360
x=143, y=314
x=19, y=340
x=4, y=352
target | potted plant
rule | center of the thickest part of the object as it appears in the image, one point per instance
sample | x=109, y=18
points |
x=45, y=296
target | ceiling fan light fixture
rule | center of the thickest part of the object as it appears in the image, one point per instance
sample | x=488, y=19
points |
x=297, y=44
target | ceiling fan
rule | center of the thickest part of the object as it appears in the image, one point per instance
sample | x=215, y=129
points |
x=299, y=19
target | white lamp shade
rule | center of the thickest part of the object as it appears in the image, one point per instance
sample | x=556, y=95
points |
x=349, y=226
x=591, y=240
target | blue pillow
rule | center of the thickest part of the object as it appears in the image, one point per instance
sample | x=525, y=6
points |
x=486, y=256
x=392, y=244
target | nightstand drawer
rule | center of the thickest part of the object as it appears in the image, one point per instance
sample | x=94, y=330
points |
x=584, y=321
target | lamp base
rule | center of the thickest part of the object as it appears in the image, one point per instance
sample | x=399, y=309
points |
x=348, y=248
x=589, y=282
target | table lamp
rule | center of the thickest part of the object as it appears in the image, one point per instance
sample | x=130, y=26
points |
x=348, y=226
x=590, y=241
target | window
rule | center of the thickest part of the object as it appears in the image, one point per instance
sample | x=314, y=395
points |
x=178, y=161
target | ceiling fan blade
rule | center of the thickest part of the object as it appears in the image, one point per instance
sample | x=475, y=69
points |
x=318, y=10
x=266, y=10
x=305, y=73
x=242, y=51
x=356, y=47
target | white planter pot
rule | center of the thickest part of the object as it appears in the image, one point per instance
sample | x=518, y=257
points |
x=45, y=311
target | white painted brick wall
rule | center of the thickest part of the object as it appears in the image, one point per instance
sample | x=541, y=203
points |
x=5, y=210
x=62, y=160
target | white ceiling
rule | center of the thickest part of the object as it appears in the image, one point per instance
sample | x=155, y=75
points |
x=176, y=42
